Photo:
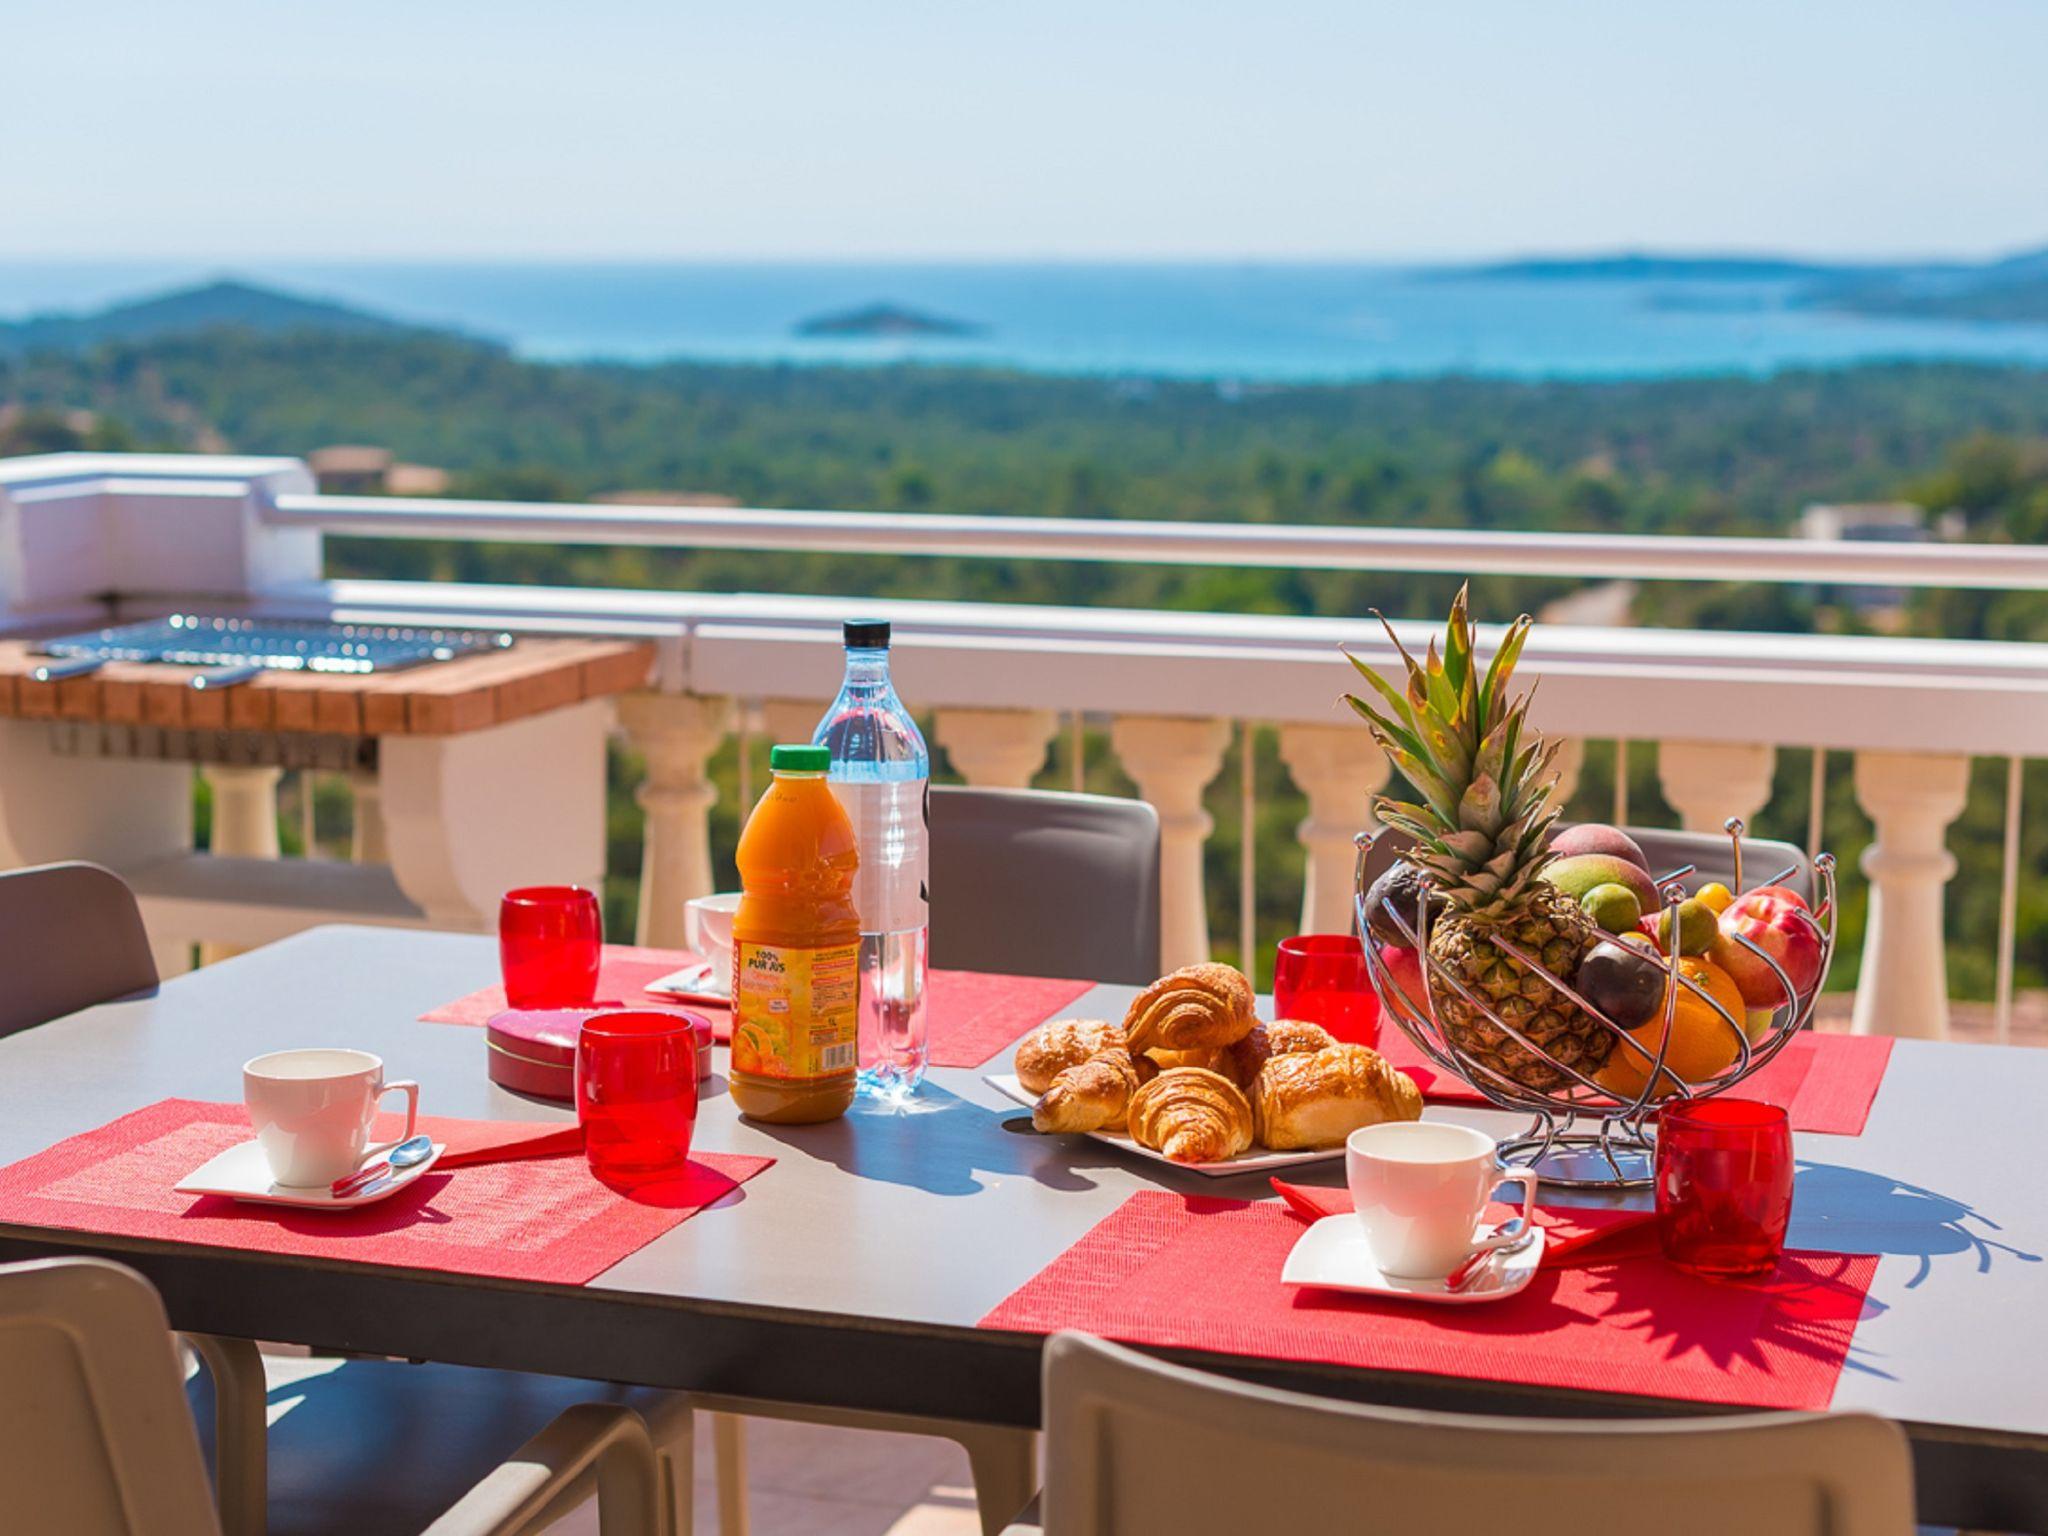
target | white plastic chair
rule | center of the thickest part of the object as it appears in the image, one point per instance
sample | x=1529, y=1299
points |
x=1134, y=1446
x=96, y=1438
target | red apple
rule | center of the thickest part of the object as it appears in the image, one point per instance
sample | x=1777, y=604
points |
x=1777, y=922
x=1771, y=893
x=1405, y=966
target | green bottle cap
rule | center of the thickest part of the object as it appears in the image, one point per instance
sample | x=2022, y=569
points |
x=804, y=759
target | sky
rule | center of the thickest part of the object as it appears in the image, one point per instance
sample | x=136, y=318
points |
x=1103, y=129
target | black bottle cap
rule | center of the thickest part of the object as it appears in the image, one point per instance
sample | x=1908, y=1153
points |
x=867, y=634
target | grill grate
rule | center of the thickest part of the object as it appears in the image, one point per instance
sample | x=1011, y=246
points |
x=196, y=640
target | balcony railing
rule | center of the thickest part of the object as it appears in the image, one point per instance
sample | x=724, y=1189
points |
x=84, y=538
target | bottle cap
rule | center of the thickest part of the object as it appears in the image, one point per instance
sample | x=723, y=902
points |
x=803, y=759
x=867, y=634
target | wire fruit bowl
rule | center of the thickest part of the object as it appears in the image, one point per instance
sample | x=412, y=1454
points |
x=1583, y=1135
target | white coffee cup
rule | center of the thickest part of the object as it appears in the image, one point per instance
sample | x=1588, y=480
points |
x=313, y=1110
x=707, y=929
x=1420, y=1187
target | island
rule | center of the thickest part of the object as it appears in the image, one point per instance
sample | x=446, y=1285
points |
x=885, y=320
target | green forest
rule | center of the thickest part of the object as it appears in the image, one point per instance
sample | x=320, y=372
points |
x=1718, y=455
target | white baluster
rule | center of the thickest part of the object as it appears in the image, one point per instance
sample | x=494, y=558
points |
x=676, y=733
x=1709, y=781
x=790, y=721
x=1173, y=760
x=244, y=823
x=1902, y=983
x=996, y=748
x=1338, y=768
x=367, y=842
x=1569, y=764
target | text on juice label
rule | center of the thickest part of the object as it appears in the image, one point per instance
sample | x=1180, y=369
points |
x=796, y=1012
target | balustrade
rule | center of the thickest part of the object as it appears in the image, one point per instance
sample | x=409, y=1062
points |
x=456, y=820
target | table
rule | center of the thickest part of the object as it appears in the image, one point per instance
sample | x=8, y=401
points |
x=852, y=1273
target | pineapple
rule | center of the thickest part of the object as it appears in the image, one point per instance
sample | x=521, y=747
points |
x=1482, y=833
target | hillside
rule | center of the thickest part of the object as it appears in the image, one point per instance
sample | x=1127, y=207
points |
x=242, y=306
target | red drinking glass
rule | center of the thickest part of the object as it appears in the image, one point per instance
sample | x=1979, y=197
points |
x=1321, y=977
x=1724, y=1185
x=548, y=942
x=636, y=1091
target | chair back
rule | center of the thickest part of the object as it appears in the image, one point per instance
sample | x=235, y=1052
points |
x=95, y=1436
x=1038, y=883
x=71, y=936
x=1710, y=853
x=1713, y=856
x=1136, y=1445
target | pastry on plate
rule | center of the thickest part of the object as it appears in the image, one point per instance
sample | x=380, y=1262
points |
x=1192, y=1116
x=1198, y=1005
x=1051, y=1048
x=1282, y=1037
x=1315, y=1099
x=1210, y=1058
x=1093, y=1095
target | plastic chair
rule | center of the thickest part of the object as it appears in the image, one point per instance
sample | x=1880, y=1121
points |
x=1038, y=883
x=73, y=937
x=1710, y=853
x=95, y=1439
x=1133, y=1445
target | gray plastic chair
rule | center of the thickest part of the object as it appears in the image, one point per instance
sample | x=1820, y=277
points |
x=1134, y=1445
x=1039, y=883
x=1710, y=853
x=95, y=1439
x=71, y=936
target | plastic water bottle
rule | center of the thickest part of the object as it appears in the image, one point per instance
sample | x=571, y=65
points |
x=881, y=773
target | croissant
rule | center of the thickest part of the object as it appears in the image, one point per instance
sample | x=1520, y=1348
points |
x=1210, y=1058
x=1192, y=1116
x=1051, y=1048
x=1317, y=1098
x=1197, y=1005
x=1093, y=1095
x=1282, y=1037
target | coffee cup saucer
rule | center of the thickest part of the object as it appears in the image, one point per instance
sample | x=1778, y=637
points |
x=243, y=1173
x=1336, y=1255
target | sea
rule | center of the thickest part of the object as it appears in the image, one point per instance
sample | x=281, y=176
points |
x=1245, y=322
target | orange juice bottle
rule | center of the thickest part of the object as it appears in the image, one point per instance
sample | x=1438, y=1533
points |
x=796, y=950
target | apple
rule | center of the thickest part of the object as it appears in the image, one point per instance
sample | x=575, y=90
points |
x=1778, y=923
x=1771, y=893
x=1405, y=966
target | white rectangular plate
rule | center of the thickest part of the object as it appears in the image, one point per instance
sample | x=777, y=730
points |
x=1255, y=1161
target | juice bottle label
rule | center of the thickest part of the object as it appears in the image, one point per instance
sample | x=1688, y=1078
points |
x=796, y=1012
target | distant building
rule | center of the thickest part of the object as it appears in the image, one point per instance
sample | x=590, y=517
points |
x=665, y=499
x=1884, y=522
x=357, y=469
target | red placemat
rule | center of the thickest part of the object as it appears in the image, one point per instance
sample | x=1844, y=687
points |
x=976, y=1015
x=623, y=971
x=1195, y=1272
x=538, y=1218
x=1825, y=1082
x=972, y=1015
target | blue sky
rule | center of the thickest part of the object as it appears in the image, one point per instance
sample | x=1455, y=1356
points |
x=1309, y=129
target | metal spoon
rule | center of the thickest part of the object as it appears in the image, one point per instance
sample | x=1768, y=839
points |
x=1469, y=1271
x=416, y=1149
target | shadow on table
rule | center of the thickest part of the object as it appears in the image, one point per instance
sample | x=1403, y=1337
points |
x=1850, y=1210
x=944, y=1144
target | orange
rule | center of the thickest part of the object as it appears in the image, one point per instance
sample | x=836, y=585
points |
x=1702, y=1044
